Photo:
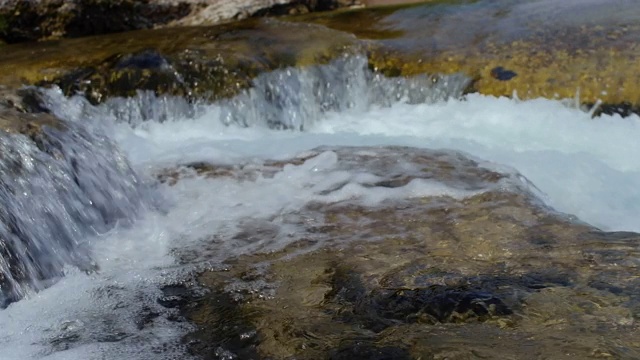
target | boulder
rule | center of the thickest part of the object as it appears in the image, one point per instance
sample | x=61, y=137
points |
x=480, y=268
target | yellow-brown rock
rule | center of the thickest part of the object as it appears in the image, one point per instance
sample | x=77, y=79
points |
x=16, y=122
x=490, y=275
x=209, y=62
x=534, y=49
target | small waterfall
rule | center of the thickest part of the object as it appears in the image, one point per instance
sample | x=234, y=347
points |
x=59, y=184
x=296, y=98
x=290, y=98
x=65, y=183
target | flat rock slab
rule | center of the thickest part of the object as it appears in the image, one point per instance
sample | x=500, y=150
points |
x=576, y=49
x=435, y=255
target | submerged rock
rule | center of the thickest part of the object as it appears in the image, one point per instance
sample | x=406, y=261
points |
x=424, y=254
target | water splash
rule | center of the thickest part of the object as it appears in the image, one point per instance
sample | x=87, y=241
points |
x=297, y=98
x=58, y=187
x=291, y=98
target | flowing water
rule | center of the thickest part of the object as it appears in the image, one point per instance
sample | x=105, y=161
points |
x=104, y=307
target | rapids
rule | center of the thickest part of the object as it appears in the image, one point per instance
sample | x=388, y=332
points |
x=578, y=165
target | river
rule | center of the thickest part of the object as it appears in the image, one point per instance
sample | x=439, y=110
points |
x=579, y=165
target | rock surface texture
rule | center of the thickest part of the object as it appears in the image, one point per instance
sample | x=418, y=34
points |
x=586, y=56
x=196, y=62
x=480, y=269
x=586, y=52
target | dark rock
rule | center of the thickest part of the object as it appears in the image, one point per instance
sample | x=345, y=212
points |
x=42, y=19
x=502, y=74
x=49, y=19
x=175, y=296
x=224, y=333
x=125, y=75
x=623, y=109
x=366, y=351
x=104, y=17
x=439, y=304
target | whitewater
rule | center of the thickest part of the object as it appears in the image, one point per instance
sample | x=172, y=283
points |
x=582, y=166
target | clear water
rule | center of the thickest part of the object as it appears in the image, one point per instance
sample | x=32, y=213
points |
x=581, y=166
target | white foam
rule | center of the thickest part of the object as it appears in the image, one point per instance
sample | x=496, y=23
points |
x=587, y=167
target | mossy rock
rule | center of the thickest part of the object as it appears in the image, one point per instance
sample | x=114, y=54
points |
x=203, y=62
x=491, y=275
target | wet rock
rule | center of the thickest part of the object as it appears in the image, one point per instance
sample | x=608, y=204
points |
x=125, y=75
x=491, y=273
x=42, y=19
x=392, y=2
x=585, y=47
x=50, y=19
x=623, y=109
x=203, y=62
x=436, y=304
x=297, y=7
x=28, y=124
x=360, y=350
x=502, y=74
x=225, y=331
x=22, y=100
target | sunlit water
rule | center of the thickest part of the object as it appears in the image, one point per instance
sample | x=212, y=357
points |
x=581, y=166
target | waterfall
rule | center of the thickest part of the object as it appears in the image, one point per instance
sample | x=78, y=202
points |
x=289, y=98
x=59, y=184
